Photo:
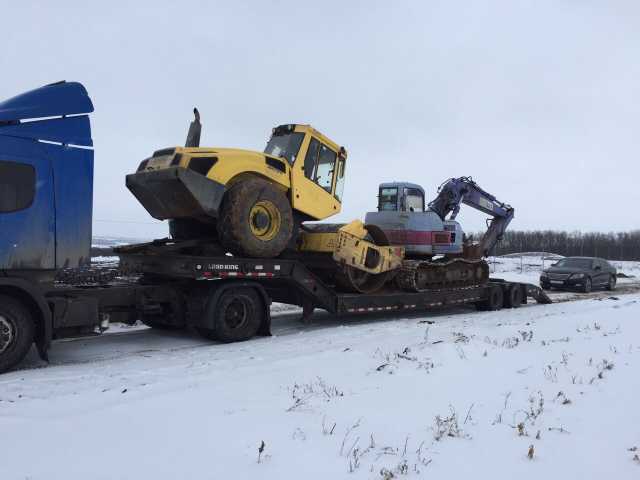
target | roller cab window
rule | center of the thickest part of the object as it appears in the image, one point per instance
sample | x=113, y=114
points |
x=342, y=165
x=17, y=186
x=319, y=164
x=285, y=144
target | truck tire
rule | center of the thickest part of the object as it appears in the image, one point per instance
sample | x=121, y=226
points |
x=237, y=316
x=256, y=219
x=513, y=297
x=17, y=330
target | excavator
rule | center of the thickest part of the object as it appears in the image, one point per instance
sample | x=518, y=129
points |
x=436, y=255
x=255, y=204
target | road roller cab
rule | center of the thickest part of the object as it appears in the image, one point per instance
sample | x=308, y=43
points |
x=253, y=202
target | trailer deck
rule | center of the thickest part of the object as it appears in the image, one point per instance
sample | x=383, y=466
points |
x=290, y=281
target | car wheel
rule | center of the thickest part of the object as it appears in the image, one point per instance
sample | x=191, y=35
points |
x=612, y=283
x=587, y=285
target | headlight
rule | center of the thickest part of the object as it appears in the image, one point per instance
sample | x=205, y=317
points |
x=577, y=275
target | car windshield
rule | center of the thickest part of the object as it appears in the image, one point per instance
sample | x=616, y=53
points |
x=574, y=263
x=285, y=145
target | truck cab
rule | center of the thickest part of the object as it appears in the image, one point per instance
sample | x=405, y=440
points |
x=46, y=180
x=46, y=195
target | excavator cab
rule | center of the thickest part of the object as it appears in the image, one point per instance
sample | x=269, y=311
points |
x=406, y=222
x=400, y=197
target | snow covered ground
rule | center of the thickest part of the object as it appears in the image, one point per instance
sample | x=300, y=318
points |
x=455, y=394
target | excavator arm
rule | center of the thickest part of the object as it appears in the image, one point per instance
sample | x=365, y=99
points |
x=456, y=191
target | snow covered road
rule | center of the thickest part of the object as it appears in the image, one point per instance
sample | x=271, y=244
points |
x=376, y=398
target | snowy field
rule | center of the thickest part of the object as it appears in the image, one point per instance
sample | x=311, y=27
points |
x=544, y=391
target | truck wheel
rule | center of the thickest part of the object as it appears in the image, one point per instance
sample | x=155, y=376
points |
x=513, y=298
x=17, y=330
x=237, y=316
x=256, y=219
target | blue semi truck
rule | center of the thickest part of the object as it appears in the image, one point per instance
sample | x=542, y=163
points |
x=48, y=291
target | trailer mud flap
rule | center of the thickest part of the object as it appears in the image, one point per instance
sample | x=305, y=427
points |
x=538, y=294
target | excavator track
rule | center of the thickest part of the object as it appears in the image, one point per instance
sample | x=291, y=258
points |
x=423, y=275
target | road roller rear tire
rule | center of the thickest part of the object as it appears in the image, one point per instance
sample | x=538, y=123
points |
x=256, y=219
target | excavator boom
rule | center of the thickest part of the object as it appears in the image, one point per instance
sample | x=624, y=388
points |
x=455, y=191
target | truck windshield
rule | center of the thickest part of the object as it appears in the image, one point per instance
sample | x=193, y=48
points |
x=574, y=263
x=285, y=145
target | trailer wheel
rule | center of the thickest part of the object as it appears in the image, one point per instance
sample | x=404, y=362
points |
x=256, y=219
x=513, y=299
x=494, y=301
x=17, y=331
x=238, y=315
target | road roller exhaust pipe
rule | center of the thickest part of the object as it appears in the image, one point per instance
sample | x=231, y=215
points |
x=193, y=135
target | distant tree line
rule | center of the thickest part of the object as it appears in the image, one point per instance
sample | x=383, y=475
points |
x=612, y=246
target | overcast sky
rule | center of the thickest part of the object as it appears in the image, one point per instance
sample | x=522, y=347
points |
x=539, y=101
